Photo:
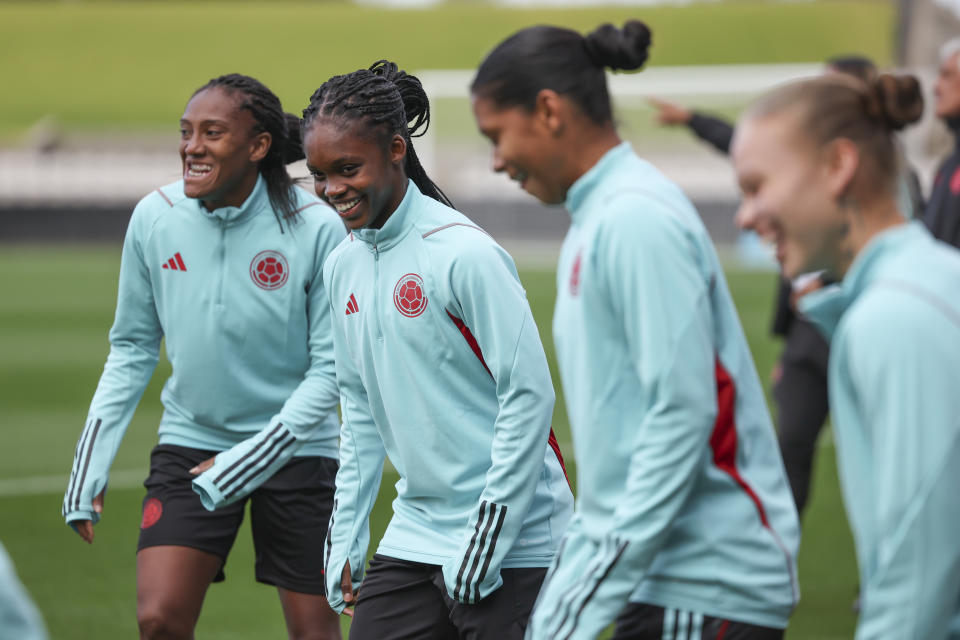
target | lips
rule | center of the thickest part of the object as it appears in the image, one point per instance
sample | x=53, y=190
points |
x=346, y=208
x=197, y=170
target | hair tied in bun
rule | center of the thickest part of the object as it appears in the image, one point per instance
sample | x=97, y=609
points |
x=897, y=100
x=619, y=49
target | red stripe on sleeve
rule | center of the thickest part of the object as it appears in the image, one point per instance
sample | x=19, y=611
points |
x=468, y=336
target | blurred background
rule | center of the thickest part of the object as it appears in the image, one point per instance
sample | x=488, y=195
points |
x=90, y=97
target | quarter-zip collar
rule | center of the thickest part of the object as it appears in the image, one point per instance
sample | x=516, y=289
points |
x=398, y=225
x=825, y=307
x=579, y=194
x=257, y=201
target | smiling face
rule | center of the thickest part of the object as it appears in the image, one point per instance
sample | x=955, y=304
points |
x=355, y=171
x=525, y=147
x=947, y=88
x=219, y=149
x=790, y=195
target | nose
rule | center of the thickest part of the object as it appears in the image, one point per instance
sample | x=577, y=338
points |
x=334, y=188
x=746, y=216
x=193, y=144
x=498, y=165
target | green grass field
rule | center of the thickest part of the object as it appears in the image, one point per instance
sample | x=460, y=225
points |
x=57, y=305
x=127, y=66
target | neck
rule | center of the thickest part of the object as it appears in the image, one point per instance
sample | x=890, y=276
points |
x=236, y=197
x=398, y=194
x=866, y=224
x=593, y=144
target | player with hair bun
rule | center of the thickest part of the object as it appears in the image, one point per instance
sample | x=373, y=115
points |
x=441, y=369
x=818, y=167
x=685, y=526
x=225, y=265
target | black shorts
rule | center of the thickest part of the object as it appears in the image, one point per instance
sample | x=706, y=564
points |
x=650, y=622
x=288, y=515
x=402, y=599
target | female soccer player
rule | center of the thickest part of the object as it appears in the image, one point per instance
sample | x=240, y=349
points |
x=441, y=368
x=683, y=508
x=817, y=164
x=226, y=266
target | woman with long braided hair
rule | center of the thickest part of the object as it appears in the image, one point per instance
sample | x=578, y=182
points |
x=441, y=368
x=224, y=264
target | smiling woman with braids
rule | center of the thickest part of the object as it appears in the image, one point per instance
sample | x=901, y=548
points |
x=226, y=266
x=685, y=526
x=441, y=368
x=818, y=166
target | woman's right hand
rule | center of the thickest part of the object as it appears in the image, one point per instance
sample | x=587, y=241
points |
x=346, y=586
x=85, y=527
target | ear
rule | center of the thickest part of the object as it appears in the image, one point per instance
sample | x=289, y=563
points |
x=842, y=163
x=260, y=146
x=397, y=151
x=549, y=110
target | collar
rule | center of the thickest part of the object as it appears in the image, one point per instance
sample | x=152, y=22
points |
x=397, y=225
x=826, y=306
x=229, y=216
x=586, y=185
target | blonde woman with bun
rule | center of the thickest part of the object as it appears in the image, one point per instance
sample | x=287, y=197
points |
x=817, y=164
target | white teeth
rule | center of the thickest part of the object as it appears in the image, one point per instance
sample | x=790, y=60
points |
x=344, y=206
x=195, y=169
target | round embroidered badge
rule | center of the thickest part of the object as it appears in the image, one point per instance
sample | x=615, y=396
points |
x=409, y=297
x=269, y=270
x=152, y=510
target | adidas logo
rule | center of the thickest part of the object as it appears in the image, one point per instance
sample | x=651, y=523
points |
x=352, y=305
x=175, y=263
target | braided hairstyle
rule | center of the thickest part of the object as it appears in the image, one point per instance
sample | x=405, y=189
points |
x=562, y=60
x=390, y=100
x=284, y=129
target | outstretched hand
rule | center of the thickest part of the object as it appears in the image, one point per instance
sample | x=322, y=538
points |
x=669, y=113
x=85, y=527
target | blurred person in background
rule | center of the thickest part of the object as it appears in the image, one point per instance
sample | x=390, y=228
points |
x=441, y=369
x=818, y=166
x=684, y=522
x=19, y=617
x=800, y=376
x=225, y=265
x=942, y=215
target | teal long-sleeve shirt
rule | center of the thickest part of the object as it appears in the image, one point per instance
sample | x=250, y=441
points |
x=682, y=497
x=894, y=321
x=441, y=368
x=19, y=617
x=241, y=306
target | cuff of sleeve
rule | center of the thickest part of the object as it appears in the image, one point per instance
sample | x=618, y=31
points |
x=332, y=583
x=461, y=589
x=210, y=496
x=82, y=514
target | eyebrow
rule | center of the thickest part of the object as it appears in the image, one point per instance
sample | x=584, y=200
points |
x=222, y=123
x=339, y=162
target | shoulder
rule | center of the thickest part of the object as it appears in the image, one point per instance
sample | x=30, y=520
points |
x=450, y=236
x=168, y=196
x=648, y=222
x=316, y=221
x=156, y=205
x=902, y=316
x=344, y=247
